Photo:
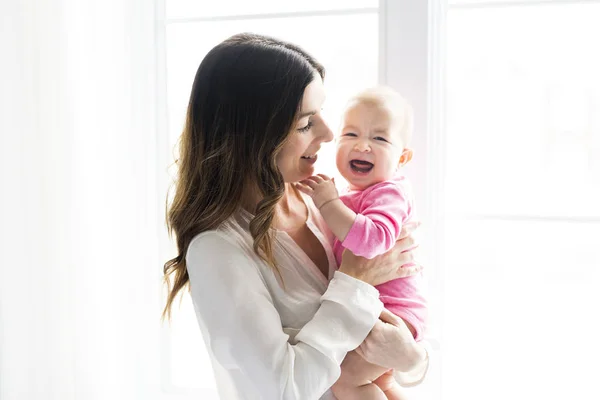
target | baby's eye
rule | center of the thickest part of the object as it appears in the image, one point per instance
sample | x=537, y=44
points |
x=381, y=139
x=351, y=134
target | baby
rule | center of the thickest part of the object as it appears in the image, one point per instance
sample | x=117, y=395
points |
x=368, y=217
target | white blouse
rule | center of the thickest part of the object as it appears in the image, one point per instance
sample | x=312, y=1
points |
x=270, y=341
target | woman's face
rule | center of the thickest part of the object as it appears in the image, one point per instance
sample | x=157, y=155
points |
x=297, y=157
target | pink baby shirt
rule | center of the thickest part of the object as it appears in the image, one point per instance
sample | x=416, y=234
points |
x=381, y=210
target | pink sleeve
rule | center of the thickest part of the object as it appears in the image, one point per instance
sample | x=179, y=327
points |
x=379, y=221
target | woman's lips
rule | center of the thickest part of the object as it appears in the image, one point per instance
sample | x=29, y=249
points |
x=310, y=160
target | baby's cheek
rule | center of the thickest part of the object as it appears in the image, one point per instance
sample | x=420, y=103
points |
x=340, y=159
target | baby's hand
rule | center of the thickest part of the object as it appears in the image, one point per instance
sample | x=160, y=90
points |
x=320, y=188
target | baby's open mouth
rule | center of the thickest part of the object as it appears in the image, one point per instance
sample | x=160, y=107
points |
x=361, y=166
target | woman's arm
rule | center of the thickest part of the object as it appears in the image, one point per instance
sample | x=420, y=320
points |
x=244, y=331
x=391, y=345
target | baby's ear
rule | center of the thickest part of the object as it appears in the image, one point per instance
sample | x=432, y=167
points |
x=406, y=156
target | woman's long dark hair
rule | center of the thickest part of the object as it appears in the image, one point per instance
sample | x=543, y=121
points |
x=243, y=105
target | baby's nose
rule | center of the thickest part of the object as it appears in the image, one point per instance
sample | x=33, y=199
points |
x=362, y=146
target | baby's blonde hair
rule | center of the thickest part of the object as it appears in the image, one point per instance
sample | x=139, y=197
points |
x=388, y=98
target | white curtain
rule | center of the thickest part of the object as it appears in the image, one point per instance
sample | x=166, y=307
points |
x=80, y=214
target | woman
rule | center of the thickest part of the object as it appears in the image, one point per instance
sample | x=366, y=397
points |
x=276, y=316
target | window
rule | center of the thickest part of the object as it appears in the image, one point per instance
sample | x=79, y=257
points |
x=522, y=204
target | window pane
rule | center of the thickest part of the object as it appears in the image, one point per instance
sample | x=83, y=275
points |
x=524, y=110
x=519, y=300
x=190, y=363
x=195, y=8
x=350, y=57
x=535, y=251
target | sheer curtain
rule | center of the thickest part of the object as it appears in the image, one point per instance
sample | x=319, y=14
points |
x=80, y=215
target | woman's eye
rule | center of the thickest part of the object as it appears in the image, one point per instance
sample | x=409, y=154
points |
x=382, y=139
x=351, y=134
x=306, y=128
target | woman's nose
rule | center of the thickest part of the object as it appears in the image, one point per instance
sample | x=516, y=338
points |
x=326, y=135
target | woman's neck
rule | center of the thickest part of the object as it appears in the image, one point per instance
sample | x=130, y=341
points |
x=290, y=212
x=289, y=199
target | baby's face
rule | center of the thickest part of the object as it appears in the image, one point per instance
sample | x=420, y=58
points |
x=369, y=146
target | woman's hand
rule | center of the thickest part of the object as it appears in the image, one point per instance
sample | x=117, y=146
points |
x=399, y=262
x=391, y=345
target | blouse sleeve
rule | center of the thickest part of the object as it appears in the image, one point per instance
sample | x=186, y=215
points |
x=419, y=373
x=244, y=331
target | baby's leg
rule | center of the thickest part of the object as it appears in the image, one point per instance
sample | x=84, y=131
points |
x=370, y=391
x=392, y=389
x=410, y=327
x=387, y=383
x=356, y=380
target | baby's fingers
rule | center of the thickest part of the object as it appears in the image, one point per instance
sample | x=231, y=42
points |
x=304, y=188
x=316, y=179
x=310, y=183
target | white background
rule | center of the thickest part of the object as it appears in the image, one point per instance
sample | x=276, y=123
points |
x=506, y=169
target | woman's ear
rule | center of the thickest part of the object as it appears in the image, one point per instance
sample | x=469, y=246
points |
x=406, y=156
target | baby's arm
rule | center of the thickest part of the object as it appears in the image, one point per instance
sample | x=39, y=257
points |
x=379, y=221
x=336, y=214
x=375, y=229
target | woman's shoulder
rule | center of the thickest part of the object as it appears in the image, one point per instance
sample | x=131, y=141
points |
x=214, y=240
x=229, y=237
x=223, y=254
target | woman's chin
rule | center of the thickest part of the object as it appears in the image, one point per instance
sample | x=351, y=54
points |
x=307, y=172
x=299, y=176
